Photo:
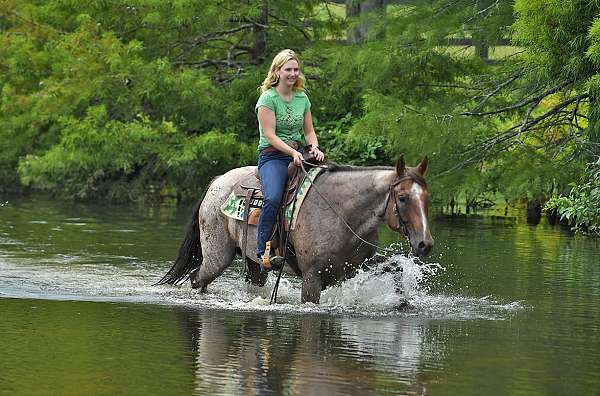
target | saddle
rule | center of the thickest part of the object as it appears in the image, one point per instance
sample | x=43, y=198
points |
x=250, y=188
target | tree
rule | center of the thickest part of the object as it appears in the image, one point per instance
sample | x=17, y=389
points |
x=401, y=91
x=554, y=86
x=364, y=13
x=164, y=82
x=554, y=80
x=156, y=74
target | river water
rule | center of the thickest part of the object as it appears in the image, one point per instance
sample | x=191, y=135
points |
x=499, y=308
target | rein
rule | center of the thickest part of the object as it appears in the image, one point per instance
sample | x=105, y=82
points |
x=389, y=194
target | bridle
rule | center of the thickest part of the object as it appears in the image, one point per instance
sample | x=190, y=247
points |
x=402, y=223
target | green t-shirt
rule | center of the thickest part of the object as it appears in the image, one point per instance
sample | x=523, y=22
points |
x=289, y=116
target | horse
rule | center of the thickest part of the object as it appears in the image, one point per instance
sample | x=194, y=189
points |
x=336, y=227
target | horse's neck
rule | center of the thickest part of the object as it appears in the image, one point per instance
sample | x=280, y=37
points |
x=362, y=195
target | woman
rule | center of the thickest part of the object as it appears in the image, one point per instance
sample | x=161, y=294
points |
x=283, y=111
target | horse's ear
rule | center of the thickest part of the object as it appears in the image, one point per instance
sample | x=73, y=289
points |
x=400, y=166
x=422, y=167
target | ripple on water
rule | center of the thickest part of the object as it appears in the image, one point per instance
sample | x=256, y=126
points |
x=379, y=292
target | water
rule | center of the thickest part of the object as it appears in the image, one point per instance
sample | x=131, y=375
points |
x=500, y=308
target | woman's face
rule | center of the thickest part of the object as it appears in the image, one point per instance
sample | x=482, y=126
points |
x=288, y=74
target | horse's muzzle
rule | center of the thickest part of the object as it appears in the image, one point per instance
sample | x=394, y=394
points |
x=422, y=248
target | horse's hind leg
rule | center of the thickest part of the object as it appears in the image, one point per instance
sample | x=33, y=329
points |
x=218, y=251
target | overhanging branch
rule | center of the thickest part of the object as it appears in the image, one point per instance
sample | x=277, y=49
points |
x=522, y=103
x=504, y=140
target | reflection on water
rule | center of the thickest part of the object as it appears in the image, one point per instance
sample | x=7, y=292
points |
x=138, y=348
x=307, y=354
x=500, y=308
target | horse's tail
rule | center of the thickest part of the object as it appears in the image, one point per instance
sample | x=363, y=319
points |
x=190, y=253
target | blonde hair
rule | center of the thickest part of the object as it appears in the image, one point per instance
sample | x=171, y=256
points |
x=281, y=59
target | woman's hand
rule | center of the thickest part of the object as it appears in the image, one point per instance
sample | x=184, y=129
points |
x=318, y=154
x=311, y=137
x=297, y=156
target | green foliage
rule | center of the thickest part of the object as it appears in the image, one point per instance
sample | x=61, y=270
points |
x=56, y=82
x=398, y=95
x=342, y=147
x=561, y=47
x=582, y=206
x=122, y=100
x=561, y=41
x=98, y=157
x=555, y=35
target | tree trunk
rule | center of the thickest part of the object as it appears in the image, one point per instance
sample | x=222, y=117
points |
x=594, y=127
x=482, y=50
x=362, y=10
x=534, y=212
x=259, y=34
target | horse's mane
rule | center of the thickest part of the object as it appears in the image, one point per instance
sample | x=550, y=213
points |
x=334, y=168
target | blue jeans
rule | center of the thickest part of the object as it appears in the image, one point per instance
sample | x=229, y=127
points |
x=272, y=169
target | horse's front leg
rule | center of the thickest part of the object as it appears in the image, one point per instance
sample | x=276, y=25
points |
x=311, y=286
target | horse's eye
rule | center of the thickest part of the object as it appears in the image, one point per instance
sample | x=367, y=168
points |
x=403, y=199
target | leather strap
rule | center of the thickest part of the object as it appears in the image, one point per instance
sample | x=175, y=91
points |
x=249, y=195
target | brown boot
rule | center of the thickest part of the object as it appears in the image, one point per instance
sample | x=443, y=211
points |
x=269, y=263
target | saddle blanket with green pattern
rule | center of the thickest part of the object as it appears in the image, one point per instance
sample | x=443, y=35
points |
x=234, y=206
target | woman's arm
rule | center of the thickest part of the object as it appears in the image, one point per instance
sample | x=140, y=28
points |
x=311, y=136
x=266, y=117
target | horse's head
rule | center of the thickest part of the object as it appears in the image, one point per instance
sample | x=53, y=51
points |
x=406, y=208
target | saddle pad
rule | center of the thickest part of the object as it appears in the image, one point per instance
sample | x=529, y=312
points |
x=234, y=206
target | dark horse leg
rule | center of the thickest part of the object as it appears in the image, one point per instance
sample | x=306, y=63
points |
x=254, y=275
x=311, y=286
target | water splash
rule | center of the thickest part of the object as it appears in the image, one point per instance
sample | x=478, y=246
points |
x=396, y=287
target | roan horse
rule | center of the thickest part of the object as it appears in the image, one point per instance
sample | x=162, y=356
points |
x=326, y=247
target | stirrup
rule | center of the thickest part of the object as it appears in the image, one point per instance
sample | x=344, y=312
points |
x=265, y=260
x=271, y=263
x=267, y=263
